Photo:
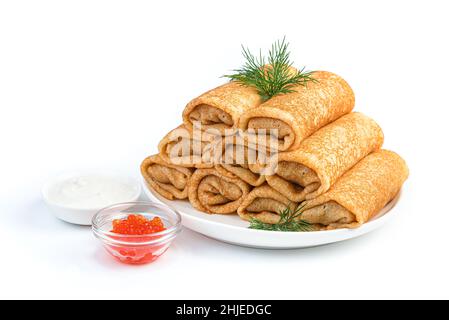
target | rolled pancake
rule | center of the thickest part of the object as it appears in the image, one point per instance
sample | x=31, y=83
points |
x=168, y=180
x=299, y=114
x=220, y=108
x=185, y=148
x=265, y=204
x=212, y=192
x=360, y=193
x=241, y=162
x=325, y=156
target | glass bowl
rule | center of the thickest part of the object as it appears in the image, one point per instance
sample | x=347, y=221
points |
x=136, y=249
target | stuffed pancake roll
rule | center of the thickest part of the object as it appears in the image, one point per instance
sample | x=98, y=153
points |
x=360, y=193
x=168, y=180
x=185, y=148
x=219, y=109
x=212, y=192
x=239, y=161
x=265, y=204
x=325, y=156
x=295, y=116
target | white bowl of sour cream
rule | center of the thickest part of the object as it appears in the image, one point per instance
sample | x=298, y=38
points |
x=76, y=197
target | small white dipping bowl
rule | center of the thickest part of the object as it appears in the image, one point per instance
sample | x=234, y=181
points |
x=83, y=214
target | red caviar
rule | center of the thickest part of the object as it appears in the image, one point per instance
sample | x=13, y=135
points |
x=142, y=228
x=136, y=224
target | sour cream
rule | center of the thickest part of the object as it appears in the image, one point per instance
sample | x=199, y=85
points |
x=76, y=198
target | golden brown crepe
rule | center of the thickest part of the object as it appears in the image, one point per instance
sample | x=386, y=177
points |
x=265, y=204
x=299, y=114
x=169, y=180
x=211, y=192
x=240, y=161
x=360, y=193
x=326, y=155
x=220, y=108
x=187, y=149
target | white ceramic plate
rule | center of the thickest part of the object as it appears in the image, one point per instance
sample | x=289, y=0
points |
x=231, y=229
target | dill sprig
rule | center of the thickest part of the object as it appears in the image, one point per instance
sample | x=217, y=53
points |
x=289, y=221
x=273, y=75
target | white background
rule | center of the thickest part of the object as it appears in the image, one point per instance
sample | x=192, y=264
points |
x=90, y=84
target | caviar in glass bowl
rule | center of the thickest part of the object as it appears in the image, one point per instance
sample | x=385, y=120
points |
x=136, y=232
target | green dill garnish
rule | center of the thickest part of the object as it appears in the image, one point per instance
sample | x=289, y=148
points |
x=273, y=75
x=289, y=221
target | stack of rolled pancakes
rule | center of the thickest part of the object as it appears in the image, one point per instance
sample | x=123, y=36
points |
x=322, y=156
